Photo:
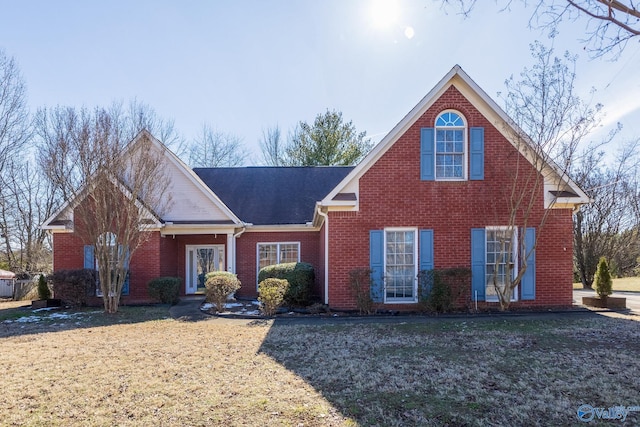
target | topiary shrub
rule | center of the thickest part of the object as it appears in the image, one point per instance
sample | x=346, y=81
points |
x=165, y=289
x=440, y=290
x=74, y=286
x=220, y=284
x=603, y=281
x=360, y=285
x=43, y=288
x=271, y=294
x=301, y=277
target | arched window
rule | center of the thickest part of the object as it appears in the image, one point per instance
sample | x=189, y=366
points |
x=450, y=144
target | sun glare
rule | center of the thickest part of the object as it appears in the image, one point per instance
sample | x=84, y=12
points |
x=384, y=13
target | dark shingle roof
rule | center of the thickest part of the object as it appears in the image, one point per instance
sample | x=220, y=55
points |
x=273, y=195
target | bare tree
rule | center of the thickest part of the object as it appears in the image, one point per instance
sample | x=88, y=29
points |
x=601, y=228
x=272, y=146
x=610, y=23
x=216, y=149
x=116, y=188
x=140, y=116
x=549, y=122
x=14, y=133
x=30, y=200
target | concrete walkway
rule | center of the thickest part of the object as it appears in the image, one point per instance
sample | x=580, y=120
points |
x=188, y=309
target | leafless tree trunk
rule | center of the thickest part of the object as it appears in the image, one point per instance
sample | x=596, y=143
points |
x=216, y=149
x=550, y=121
x=610, y=23
x=116, y=188
x=14, y=133
x=599, y=227
x=272, y=146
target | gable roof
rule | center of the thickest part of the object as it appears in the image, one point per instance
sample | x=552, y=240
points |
x=273, y=195
x=486, y=106
x=62, y=219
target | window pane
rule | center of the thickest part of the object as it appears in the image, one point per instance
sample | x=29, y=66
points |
x=400, y=271
x=499, y=270
x=288, y=253
x=267, y=255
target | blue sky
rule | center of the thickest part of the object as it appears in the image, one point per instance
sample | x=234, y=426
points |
x=241, y=66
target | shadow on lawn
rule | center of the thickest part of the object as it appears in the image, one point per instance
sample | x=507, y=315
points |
x=385, y=373
x=23, y=320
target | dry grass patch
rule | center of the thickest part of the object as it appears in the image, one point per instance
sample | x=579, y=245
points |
x=140, y=368
x=622, y=284
x=159, y=372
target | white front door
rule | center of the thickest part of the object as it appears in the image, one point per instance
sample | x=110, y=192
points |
x=200, y=260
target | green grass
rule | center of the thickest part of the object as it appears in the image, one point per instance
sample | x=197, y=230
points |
x=623, y=284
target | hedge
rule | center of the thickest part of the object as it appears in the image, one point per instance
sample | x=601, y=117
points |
x=301, y=277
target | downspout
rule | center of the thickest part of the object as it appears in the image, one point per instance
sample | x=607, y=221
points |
x=235, y=252
x=326, y=254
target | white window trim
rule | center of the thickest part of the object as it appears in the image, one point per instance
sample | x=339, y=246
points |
x=515, y=249
x=277, y=254
x=465, y=149
x=415, y=267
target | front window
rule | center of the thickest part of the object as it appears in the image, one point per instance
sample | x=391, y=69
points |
x=277, y=253
x=450, y=146
x=500, y=260
x=400, y=266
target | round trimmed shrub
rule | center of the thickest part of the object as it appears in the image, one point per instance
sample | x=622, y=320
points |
x=301, y=277
x=220, y=285
x=165, y=289
x=271, y=294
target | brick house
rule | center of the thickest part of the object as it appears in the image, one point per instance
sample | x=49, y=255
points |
x=429, y=195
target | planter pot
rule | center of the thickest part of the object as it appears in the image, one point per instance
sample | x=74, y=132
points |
x=615, y=303
x=45, y=303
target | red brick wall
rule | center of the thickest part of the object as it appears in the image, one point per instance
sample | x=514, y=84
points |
x=158, y=256
x=246, y=262
x=392, y=195
x=68, y=254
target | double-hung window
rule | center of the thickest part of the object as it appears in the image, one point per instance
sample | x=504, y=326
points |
x=450, y=143
x=277, y=253
x=501, y=260
x=400, y=265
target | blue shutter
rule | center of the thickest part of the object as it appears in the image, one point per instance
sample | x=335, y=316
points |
x=125, y=285
x=426, y=249
x=88, y=257
x=478, y=276
x=426, y=256
x=476, y=154
x=427, y=155
x=529, y=278
x=376, y=258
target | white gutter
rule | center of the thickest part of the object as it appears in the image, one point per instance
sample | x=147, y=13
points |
x=326, y=254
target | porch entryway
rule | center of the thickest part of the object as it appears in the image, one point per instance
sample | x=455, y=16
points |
x=200, y=260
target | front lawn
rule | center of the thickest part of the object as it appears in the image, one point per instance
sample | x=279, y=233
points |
x=141, y=368
x=623, y=284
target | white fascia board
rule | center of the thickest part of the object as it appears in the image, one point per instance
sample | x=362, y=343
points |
x=387, y=142
x=281, y=228
x=181, y=229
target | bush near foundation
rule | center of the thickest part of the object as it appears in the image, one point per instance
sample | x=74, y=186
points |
x=271, y=294
x=220, y=285
x=301, y=277
x=165, y=289
x=441, y=290
x=73, y=287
